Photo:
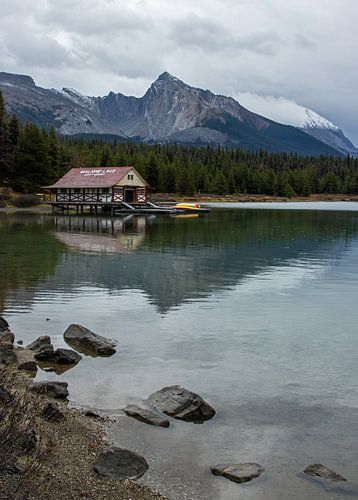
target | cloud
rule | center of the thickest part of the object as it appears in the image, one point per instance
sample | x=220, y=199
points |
x=301, y=51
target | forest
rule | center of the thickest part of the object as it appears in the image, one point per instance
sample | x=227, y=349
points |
x=31, y=158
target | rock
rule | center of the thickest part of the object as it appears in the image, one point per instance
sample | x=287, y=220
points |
x=119, y=463
x=50, y=388
x=7, y=356
x=240, y=473
x=28, y=366
x=20, y=342
x=9, y=469
x=93, y=414
x=147, y=416
x=319, y=470
x=44, y=353
x=52, y=414
x=7, y=338
x=42, y=341
x=85, y=341
x=181, y=404
x=27, y=442
x=5, y=396
x=4, y=325
x=66, y=357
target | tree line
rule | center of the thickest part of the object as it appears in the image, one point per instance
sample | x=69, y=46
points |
x=31, y=157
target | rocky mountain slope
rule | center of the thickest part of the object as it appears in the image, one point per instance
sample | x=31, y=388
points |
x=170, y=110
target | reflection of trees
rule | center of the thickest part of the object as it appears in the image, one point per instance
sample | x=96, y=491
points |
x=184, y=259
x=28, y=252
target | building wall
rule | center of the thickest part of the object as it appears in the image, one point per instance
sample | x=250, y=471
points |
x=136, y=181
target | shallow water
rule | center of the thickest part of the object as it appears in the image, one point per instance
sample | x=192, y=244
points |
x=254, y=309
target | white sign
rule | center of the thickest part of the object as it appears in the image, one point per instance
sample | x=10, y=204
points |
x=97, y=171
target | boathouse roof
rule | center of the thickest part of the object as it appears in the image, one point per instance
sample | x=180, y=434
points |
x=92, y=177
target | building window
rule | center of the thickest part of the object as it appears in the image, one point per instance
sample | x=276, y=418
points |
x=130, y=177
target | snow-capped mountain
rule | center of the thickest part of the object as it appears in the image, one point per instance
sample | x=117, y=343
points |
x=171, y=111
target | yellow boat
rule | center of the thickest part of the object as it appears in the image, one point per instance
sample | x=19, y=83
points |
x=190, y=207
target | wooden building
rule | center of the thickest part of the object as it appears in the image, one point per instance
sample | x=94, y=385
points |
x=100, y=186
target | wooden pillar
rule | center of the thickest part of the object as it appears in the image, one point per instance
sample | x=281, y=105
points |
x=81, y=209
x=96, y=209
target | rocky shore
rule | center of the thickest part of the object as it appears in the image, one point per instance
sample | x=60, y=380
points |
x=46, y=447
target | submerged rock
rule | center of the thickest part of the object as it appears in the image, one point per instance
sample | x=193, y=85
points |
x=119, y=463
x=50, y=388
x=239, y=473
x=83, y=340
x=146, y=416
x=40, y=342
x=319, y=470
x=181, y=404
x=66, y=357
x=52, y=413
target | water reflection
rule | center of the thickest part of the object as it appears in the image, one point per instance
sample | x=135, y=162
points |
x=172, y=261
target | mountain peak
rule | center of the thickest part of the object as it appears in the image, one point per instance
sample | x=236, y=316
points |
x=167, y=77
x=16, y=80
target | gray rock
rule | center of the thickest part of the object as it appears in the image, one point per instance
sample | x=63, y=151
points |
x=66, y=357
x=7, y=355
x=181, y=404
x=4, y=325
x=93, y=414
x=52, y=413
x=319, y=470
x=146, y=416
x=7, y=338
x=28, y=366
x=42, y=341
x=45, y=353
x=239, y=473
x=119, y=463
x=85, y=341
x=20, y=342
x=50, y=388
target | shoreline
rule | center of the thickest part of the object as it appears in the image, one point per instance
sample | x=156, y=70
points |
x=63, y=452
x=206, y=198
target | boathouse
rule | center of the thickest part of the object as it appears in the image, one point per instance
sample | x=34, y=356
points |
x=98, y=186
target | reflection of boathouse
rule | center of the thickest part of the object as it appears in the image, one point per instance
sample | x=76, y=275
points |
x=112, y=187
x=101, y=234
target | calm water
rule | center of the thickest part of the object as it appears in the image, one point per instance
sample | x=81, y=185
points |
x=255, y=309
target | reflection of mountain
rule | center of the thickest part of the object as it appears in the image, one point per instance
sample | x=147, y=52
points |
x=172, y=260
x=182, y=260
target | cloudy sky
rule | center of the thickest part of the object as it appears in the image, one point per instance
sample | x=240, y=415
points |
x=266, y=53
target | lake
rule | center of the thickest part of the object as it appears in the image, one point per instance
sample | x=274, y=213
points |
x=253, y=307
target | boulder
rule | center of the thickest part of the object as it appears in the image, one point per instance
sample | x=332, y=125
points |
x=50, y=388
x=239, y=473
x=7, y=355
x=7, y=338
x=66, y=357
x=4, y=325
x=85, y=341
x=181, y=404
x=319, y=470
x=93, y=414
x=28, y=366
x=42, y=341
x=45, y=353
x=119, y=463
x=146, y=416
x=52, y=413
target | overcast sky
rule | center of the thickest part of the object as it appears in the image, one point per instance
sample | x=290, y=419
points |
x=301, y=50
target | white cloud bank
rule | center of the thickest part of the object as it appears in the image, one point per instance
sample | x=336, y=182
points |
x=298, y=50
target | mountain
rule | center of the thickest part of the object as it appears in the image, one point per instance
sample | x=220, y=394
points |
x=322, y=129
x=170, y=111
